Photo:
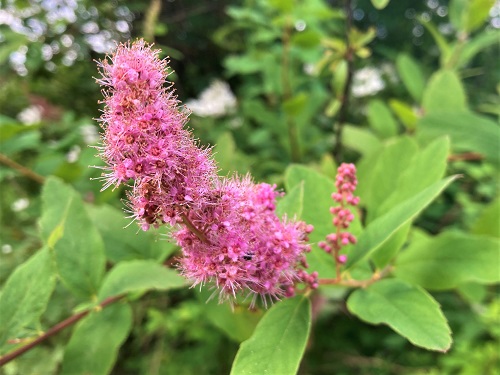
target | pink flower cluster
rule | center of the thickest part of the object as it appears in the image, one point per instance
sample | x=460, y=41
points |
x=145, y=139
x=228, y=229
x=342, y=216
x=245, y=245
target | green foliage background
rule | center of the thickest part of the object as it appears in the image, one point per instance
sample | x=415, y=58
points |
x=294, y=67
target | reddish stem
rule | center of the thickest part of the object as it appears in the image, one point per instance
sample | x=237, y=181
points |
x=52, y=331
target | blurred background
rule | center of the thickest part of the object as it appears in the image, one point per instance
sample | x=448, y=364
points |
x=268, y=83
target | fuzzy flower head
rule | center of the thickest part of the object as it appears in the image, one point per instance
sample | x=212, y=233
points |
x=144, y=137
x=244, y=247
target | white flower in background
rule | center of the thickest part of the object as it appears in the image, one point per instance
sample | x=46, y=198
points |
x=367, y=81
x=389, y=72
x=6, y=249
x=215, y=101
x=73, y=154
x=90, y=134
x=20, y=204
x=30, y=115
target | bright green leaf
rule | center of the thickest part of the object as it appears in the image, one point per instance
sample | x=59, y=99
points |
x=139, y=276
x=380, y=230
x=449, y=260
x=123, y=240
x=437, y=96
x=25, y=295
x=316, y=211
x=405, y=113
x=360, y=139
x=292, y=203
x=407, y=309
x=411, y=75
x=467, y=131
x=69, y=232
x=488, y=223
x=380, y=4
x=378, y=175
x=381, y=119
x=94, y=345
x=279, y=341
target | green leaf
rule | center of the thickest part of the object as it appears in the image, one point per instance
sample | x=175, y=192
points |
x=25, y=295
x=361, y=140
x=292, y=203
x=379, y=231
x=411, y=75
x=467, y=131
x=449, y=260
x=228, y=157
x=476, y=44
x=68, y=231
x=437, y=97
x=316, y=211
x=468, y=15
x=279, y=341
x=123, y=240
x=381, y=119
x=139, y=276
x=94, y=345
x=380, y=4
x=488, y=223
x=405, y=113
x=444, y=47
x=425, y=168
x=378, y=175
x=236, y=322
x=407, y=309
x=386, y=252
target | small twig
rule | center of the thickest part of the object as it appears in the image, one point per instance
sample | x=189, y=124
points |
x=198, y=233
x=358, y=283
x=21, y=169
x=466, y=156
x=344, y=104
x=58, y=327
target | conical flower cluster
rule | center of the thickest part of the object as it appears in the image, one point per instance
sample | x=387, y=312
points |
x=228, y=229
x=145, y=139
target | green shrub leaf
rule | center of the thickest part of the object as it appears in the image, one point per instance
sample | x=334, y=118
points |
x=279, y=341
x=138, y=276
x=25, y=295
x=407, y=309
x=69, y=232
x=450, y=259
x=379, y=231
x=94, y=345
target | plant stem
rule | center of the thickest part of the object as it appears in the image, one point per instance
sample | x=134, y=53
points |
x=358, y=283
x=293, y=138
x=21, y=169
x=58, y=327
x=198, y=233
x=344, y=106
x=150, y=20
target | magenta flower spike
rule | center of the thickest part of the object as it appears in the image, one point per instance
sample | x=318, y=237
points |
x=145, y=141
x=247, y=247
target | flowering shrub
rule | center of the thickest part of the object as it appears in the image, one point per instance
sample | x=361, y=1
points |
x=351, y=230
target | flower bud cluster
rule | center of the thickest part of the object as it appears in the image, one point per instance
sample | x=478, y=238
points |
x=228, y=229
x=345, y=183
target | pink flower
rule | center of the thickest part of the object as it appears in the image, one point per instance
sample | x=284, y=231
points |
x=246, y=246
x=145, y=140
